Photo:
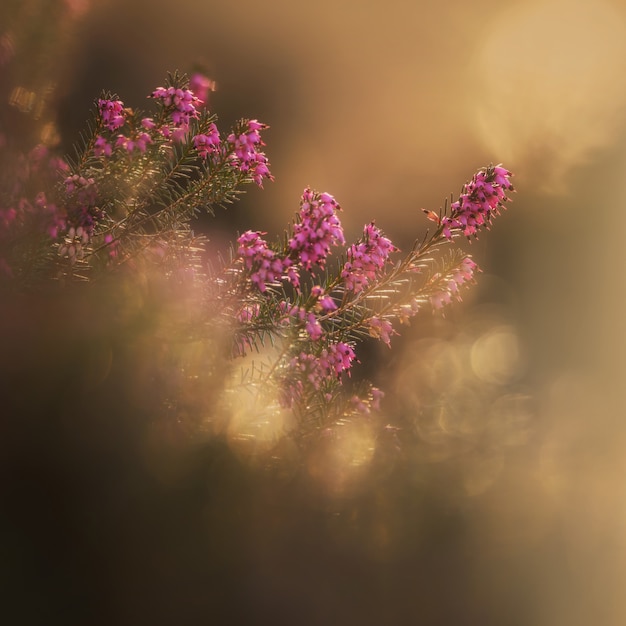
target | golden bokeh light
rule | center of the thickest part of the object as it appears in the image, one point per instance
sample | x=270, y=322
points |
x=548, y=71
x=497, y=356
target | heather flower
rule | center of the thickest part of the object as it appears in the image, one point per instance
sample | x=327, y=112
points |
x=248, y=313
x=450, y=282
x=312, y=325
x=317, y=369
x=148, y=123
x=262, y=263
x=317, y=230
x=207, y=143
x=324, y=301
x=369, y=403
x=80, y=209
x=140, y=142
x=406, y=311
x=112, y=113
x=112, y=245
x=84, y=187
x=479, y=202
x=337, y=358
x=52, y=218
x=201, y=85
x=380, y=329
x=259, y=166
x=102, y=147
x=183, y=103
x=366, y=258
x=245, y=154
x=73, y=245
x=307, y=367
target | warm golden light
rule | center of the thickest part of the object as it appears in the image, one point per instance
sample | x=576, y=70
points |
x=550, y=88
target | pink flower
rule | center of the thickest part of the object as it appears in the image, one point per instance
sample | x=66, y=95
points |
x=449, y=283
x=102, y=147
x=330, y=364
x=317, y=230
x=208, y=143
x=366, y=258
x=313, y=327
x=112, y=244
x=140, y=142
x=112, y=113
x=479, y=203
x=201, y=85
x=337, y=358
x=245, y=154
x=262, y=263
x=381, y=329
x=182, y=102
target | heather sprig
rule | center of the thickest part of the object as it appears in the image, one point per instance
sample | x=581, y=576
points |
x=134, y=185
x=294, y=309
x=330, y=308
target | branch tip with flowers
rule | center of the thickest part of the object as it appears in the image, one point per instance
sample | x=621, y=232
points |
x=126, y=201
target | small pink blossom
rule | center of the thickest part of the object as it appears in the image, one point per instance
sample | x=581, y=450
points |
x=112, y=113
x=182, y=103
x=481, y=200
x=337, y=358
x=381, y=329
x=207, y=143
x=112, y=245
x=366, y=258
x=102, y=147
x=449, y=283
x=139, y=142
x=201, y=86
x=262, y=263
x=317, y=230
x=245, y=154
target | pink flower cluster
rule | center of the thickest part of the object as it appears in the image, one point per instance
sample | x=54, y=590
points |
x=480, y=201
x=330, y=363
x=24, y=205
x=370, y=403
x=81, y=214
x=312, y=325
x=262, y=263
x=337, y=358
x=380, y=329
x=183, y=102
x=112, y=113
x=324, y=301
x=207, y=143
x=449, y=283
x=317, y=229
x=201, y=85
x=137, y=141
x=366, y=258
x=245, y=154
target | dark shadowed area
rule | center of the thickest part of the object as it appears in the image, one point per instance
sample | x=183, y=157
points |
x=497, y=497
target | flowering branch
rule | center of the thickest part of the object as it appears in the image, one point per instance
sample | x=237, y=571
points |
x=127, y=200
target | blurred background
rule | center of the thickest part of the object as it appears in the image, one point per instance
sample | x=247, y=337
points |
x=499, y=497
